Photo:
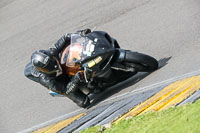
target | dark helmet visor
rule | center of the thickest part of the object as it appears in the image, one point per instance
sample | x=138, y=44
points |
x=44, y=63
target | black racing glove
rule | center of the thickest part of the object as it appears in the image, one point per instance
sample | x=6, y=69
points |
x=73, y=84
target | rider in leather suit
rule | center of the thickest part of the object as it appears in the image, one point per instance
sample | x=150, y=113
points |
x=44, y=68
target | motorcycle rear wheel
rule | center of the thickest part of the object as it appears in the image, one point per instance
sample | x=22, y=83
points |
x=141, y=62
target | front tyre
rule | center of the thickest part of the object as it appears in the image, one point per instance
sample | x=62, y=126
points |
x=141, y=62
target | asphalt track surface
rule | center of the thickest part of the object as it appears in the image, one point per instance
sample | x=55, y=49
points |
x=167, y=30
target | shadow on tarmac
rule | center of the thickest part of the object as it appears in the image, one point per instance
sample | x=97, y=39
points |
x=96, y=98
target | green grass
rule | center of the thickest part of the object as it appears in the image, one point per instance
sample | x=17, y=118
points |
x=183, y=119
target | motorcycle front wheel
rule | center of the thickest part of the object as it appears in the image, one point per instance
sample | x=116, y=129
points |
x=141, y=62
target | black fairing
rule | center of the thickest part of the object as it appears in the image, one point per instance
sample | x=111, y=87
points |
x=104, y=47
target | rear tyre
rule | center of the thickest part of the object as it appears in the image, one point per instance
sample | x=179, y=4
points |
x=140, y=62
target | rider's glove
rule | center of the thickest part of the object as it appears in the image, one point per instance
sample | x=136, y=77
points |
x=73, y=84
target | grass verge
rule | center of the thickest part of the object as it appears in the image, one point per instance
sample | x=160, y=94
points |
x=183, y=119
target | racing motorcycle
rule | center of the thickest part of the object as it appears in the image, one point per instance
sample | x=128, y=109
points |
x=101, y=62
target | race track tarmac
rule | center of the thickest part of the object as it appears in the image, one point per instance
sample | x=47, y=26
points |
x=166, y=30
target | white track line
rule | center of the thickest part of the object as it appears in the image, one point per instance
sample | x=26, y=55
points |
x=52, y=121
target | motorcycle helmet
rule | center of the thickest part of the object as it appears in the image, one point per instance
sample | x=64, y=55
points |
x=44, y=62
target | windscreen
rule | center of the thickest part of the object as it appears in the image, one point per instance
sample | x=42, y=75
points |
x=80, y=47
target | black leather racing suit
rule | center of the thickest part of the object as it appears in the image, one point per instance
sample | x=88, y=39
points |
x=61, y=84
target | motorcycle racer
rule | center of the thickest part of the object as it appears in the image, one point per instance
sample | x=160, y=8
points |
x=44, y=68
